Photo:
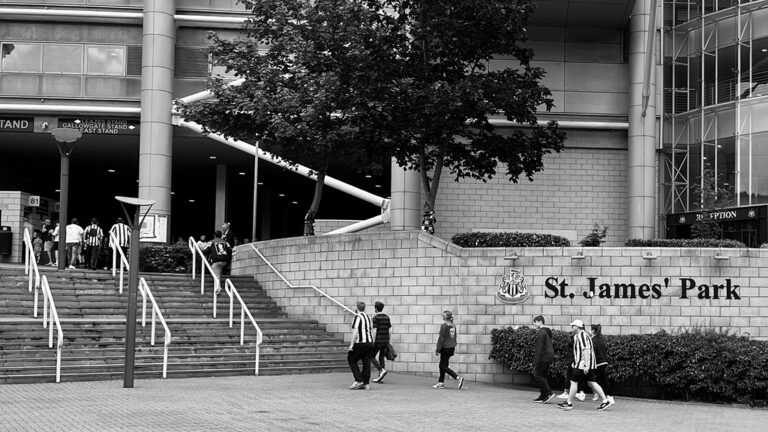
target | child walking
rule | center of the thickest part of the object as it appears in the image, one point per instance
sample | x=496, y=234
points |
x=446, y=345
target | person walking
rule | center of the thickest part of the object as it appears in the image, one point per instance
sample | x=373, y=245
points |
x=543, y=356
x=446, y=347
x=583, y=368
x=381, y=324
x=55, y=245
x=48, y=239
x=122, y=234
x=93, y=236
x=601, y=362
x=74, y=233
x=220, y=252
x=360, y=349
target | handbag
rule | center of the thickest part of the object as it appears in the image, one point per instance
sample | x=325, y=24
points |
x=391, y=352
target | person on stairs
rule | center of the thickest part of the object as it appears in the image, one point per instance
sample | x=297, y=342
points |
x=220, y=253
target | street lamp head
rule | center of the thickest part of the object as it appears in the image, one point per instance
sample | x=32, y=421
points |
x=135, y=201
x=66, y=135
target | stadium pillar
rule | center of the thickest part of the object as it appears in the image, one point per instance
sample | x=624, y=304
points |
x=642, y=136
x=405, y=205
x=157, y=71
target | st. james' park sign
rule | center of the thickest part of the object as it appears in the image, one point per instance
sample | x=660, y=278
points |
x=513, y=289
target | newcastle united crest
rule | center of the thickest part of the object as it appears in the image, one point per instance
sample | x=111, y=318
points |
x=512, y=288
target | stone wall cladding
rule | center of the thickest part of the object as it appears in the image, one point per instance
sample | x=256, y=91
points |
x=323, y=226
x=11, y=205
x=576, y=188
x=418, y=276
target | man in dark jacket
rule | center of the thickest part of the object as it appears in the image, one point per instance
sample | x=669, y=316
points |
x=543, y=356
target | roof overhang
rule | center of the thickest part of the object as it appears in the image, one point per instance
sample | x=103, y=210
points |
x=582, y=13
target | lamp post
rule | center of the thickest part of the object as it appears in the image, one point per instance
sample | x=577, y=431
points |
x=65, y=141
x=133, y=280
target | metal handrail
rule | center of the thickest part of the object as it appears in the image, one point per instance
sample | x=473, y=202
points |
x=31, y=268
x=290, y=285
x=117, y=250
x=230, y=287
x=216, y=282
x=54, y=319
x=156, y=314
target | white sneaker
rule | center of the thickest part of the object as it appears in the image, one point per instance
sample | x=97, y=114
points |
x=581, y=396
x=610, y=399
x=356, y=385
x=563, y=396
x=72, y=267
x=438, y=386
x=595, y=398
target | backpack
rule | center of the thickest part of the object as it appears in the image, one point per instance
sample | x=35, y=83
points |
x=219, y=251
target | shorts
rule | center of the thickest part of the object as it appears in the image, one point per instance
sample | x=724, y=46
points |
x=578, y=375
x=47, y=246
x=55, y=246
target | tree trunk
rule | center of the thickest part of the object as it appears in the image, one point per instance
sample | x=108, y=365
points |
x=430, y=192
x=309, y=219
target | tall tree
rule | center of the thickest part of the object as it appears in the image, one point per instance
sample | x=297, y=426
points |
x=448, y=92
x=316, y=75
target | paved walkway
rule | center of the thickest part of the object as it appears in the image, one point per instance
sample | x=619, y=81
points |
x=323, y=403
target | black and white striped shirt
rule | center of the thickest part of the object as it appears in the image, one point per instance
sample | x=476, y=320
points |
x=123, y=234
x=362, y=328
x=93, y=235
x=583, y=352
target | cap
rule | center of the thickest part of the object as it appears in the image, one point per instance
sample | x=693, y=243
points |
x=448, y=314
x=578, y=323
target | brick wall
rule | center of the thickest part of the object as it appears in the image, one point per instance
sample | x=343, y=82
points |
x=417, y=276
x=577, y=187
x=11, y=206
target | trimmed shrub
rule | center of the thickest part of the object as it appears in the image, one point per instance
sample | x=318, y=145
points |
x=165, y=259
x=703, y=365
x=508, y=239
x=596, y=237
x=685, y=243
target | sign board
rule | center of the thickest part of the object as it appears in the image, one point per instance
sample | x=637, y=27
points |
x=154, y=229
x=106, y=126
x=730, y=214
x=33, y=201
x=17, y=124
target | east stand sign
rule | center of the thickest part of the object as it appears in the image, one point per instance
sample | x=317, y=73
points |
x=689, y=288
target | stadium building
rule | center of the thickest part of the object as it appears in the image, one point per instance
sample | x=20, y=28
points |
x=658, y=99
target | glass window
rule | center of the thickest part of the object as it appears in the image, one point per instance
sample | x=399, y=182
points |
x=105, y=60
x=21, y=57
x=63, y=59
x=759, y=173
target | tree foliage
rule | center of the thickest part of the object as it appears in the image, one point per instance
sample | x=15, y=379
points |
x=317, y=74
x=451, y=91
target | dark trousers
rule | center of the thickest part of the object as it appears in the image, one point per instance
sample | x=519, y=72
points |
x=602, y=379
x=381, y=350
x=92, y=256
x=360, y=352
x=445, y=355
x=540, y=373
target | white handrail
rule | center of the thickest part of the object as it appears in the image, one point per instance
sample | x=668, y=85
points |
x=54, y=319
x=216, y=283
x=117, y=250
x=156, y=314
x=30, y=267
x=290, y=285
x=230, y=287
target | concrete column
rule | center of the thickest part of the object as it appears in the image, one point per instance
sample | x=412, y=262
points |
x=405, y=207
x=642, y=134
x=221, y=195
x=156, y=140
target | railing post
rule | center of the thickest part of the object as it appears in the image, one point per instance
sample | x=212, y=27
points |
x=215, y=306
x=144, y=310
x=202, y=279
x=242, y=325
x=165, y=358
x=50, y=331
x=152, y=338
x=257, y=359
x=58, y=363
x=114, y=261
x=232, y=292
x=45, y=308
x=34, y=309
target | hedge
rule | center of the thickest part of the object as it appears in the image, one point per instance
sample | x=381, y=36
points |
x=703, y=365
x=685, y=243
x=165, y=259
x=508, y=239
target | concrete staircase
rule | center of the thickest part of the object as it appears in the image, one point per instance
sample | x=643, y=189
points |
x=92, y=314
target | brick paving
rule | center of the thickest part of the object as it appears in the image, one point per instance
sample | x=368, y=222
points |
x=323, y=403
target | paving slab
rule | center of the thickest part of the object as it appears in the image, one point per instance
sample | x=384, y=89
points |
x=322, y=402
